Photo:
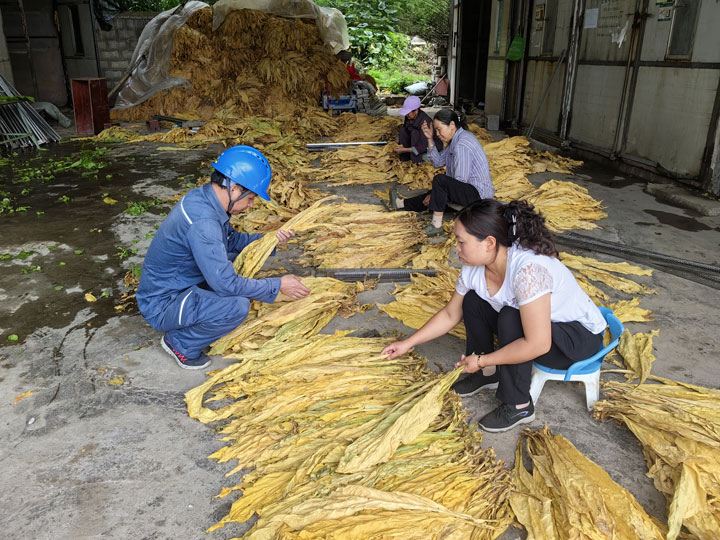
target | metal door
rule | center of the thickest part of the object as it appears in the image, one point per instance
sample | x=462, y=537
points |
x=75, y=19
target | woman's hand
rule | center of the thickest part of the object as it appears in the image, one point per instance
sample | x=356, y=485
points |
x=426, y=200
x=428, y=131
x=471, y=363
x=284, y=236
x=398, y=348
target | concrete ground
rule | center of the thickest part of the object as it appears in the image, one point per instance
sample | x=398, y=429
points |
x=84, y=458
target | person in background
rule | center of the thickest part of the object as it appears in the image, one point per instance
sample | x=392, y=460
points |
x=188, y=286
x=466, y=178
x=511, y=285
x=412, y=142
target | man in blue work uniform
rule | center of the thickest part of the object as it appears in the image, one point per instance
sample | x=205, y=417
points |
x=188, y=287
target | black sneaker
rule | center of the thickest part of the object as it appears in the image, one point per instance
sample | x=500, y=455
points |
x=473, y=383
x=183, y=361
x=506, y=417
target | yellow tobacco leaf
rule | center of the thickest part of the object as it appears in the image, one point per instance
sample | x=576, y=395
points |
x=108, y=200
x=629, y=311
x=618, y=268
x=580, y=264
x=568, y=496
x=678, y=425
x=22, y=396
x=636, y=350
x=400, y=426
x=90, y=297
x=116, y=381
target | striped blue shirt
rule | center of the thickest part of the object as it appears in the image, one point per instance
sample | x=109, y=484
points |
x=465, y=161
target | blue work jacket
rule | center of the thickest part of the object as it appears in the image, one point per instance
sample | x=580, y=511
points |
x=196, y=245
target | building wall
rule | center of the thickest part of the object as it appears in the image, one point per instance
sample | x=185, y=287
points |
x=117, y=45
x=36, y=65
x=668, y=113
x=673, y=105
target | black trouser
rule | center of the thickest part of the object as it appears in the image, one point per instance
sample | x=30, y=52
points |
x=444, y=190
x=571, y=342
x=408, y=139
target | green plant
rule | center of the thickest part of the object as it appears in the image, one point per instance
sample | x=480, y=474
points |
x=138, y=208
x=124, y=253
x=371, y=28
x=393, y=81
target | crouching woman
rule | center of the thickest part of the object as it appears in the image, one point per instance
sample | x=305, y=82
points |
x=512, y=285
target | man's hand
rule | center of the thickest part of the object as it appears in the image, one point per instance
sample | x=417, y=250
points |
x=426, y=200
x=398, y=348
x=428, y=131
x=292, y=287
x=284, y=236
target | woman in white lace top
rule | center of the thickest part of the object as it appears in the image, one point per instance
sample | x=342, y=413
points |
x=512, y=285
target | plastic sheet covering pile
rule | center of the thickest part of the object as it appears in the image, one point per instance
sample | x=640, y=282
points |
x=678, y=425
x=205, y=58
x=566, y=496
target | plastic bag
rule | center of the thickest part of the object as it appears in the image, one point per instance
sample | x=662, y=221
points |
x=151, y=58
x=418, y=88
x=516, y=49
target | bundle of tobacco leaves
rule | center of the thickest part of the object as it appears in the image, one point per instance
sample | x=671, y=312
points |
x=365, y=128
x=567, y=496
x=344, y=443
x=291, y=320
x=587, y=268
x=678, y=425
x=363, y=236
x=252, y=258
x=255, y=63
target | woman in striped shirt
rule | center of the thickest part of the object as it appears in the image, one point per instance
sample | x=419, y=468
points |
x=466, y=178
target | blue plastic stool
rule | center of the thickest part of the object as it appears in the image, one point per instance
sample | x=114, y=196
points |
x=586, y=371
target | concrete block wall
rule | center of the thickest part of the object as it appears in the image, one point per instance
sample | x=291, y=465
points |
x=116, y=46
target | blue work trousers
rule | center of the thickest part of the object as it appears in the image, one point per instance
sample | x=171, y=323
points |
x=198, y=317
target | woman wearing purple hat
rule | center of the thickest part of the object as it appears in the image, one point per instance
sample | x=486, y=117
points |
x=412, y=142
x=467, y=174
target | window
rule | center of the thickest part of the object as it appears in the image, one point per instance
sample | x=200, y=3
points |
x=76, y=31
x=682, y=32
x=548, y=40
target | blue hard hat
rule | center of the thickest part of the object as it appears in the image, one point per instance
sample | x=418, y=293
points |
x=247, y=167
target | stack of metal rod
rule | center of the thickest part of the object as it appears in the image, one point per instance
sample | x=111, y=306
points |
x=21, y=126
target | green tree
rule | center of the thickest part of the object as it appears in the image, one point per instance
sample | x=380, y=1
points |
x=371, y=28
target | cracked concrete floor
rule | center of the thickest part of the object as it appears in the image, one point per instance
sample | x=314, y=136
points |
x=82, y=458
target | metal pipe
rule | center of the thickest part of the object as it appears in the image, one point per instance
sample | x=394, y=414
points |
x=545, y=94
x=613, y=248
x=632, y=53
x=571, y=69
x=320, y=147
x=633, y=80
x=359, y=274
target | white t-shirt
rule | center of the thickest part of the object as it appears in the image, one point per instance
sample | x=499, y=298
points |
x=529, y=276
